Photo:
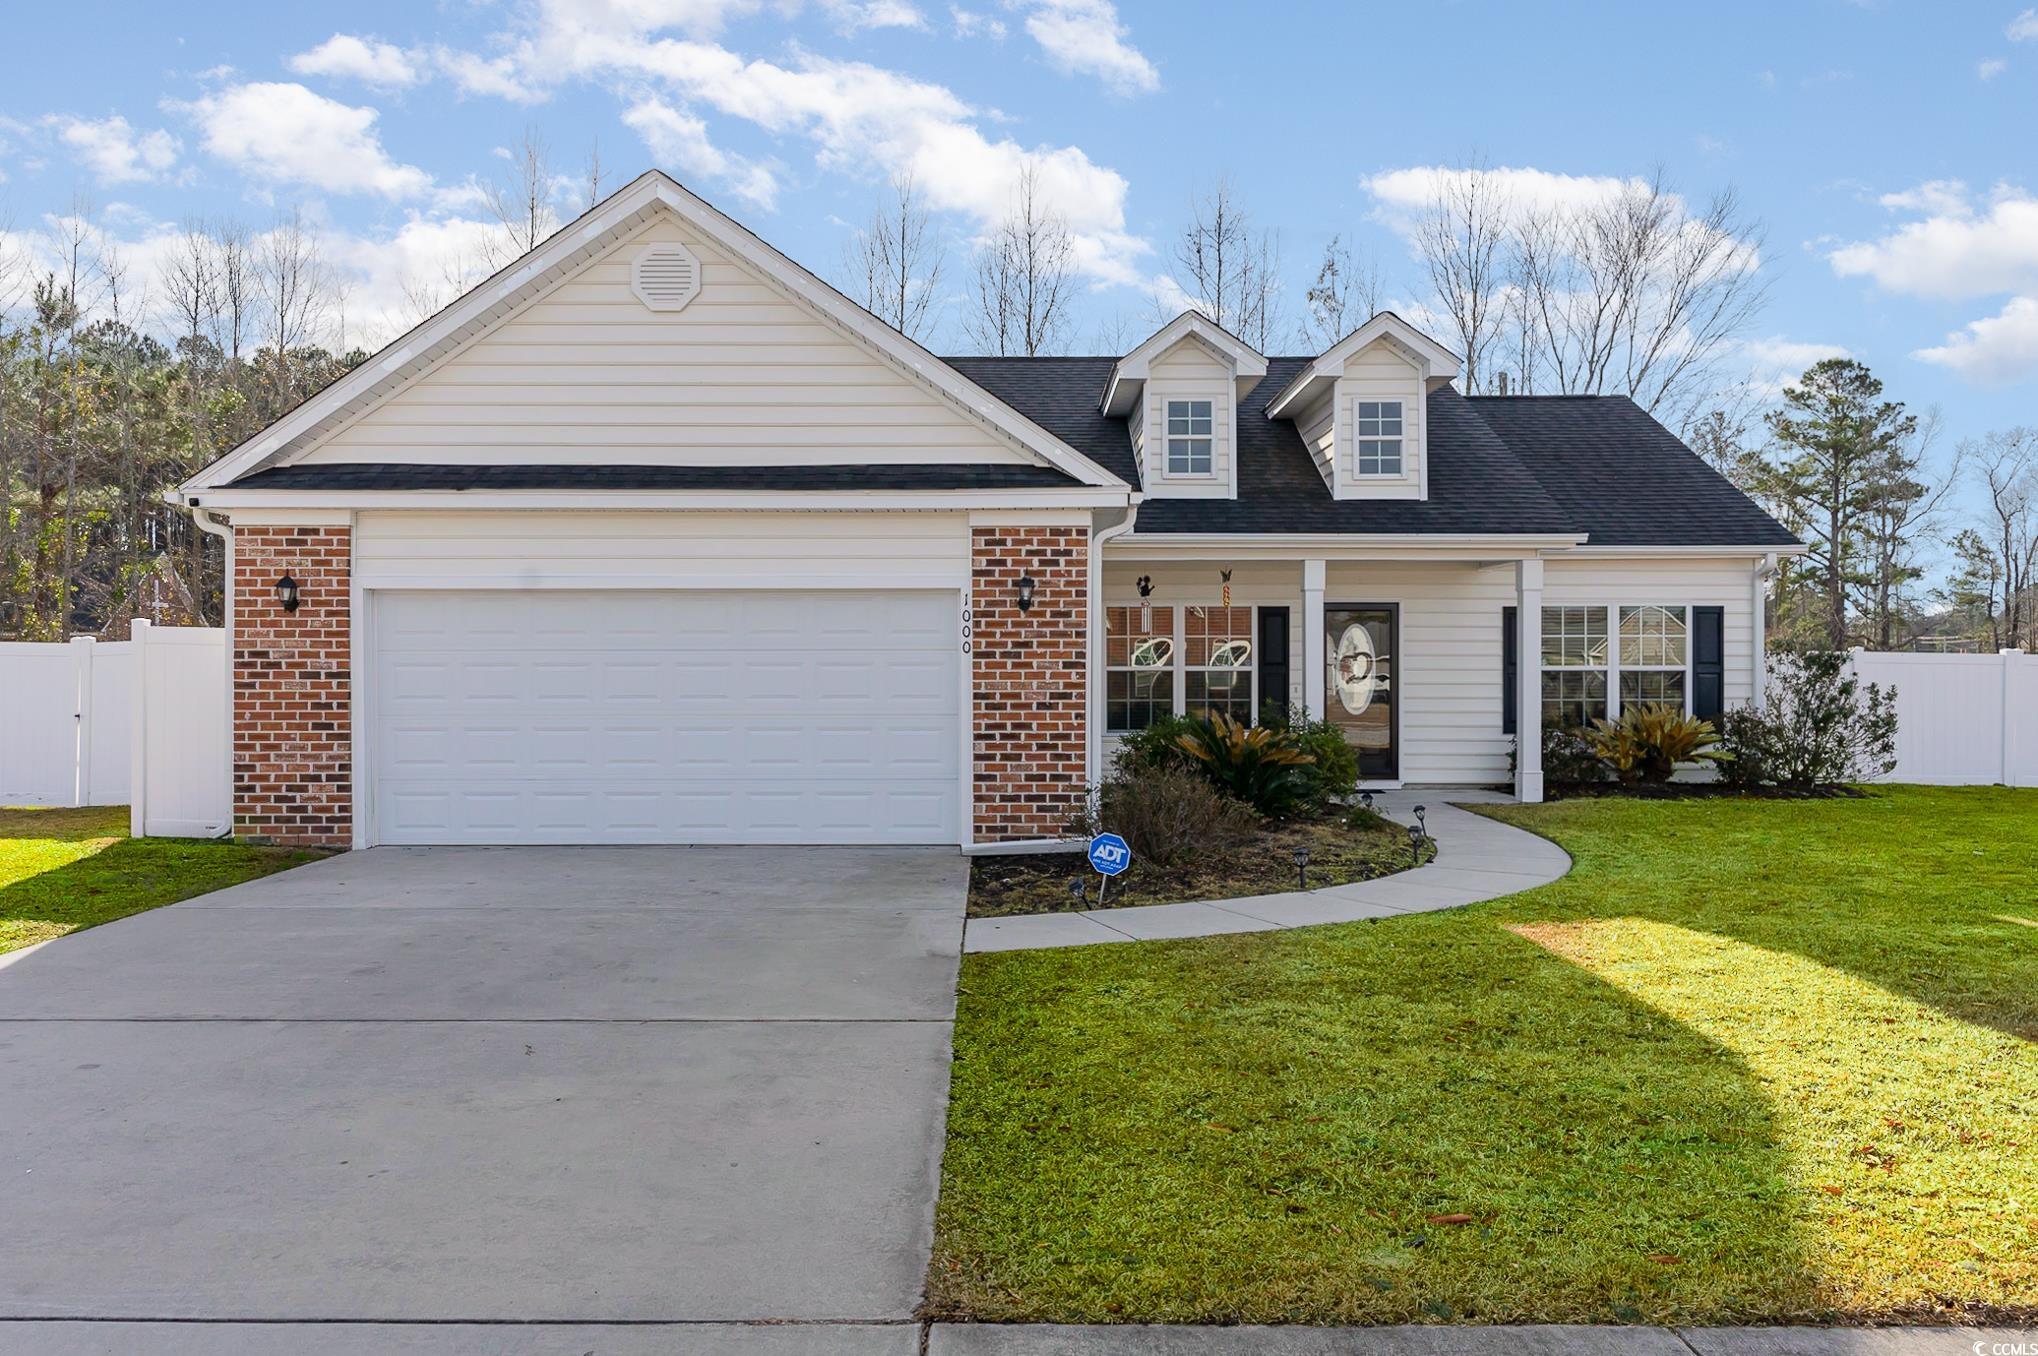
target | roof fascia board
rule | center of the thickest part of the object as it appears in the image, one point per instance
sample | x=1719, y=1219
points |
x=1086, y=496
x=1248, y=364
x=1432, y=359
x=1689, y=552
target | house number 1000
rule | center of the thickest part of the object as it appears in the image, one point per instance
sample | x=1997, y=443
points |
x=967, y=620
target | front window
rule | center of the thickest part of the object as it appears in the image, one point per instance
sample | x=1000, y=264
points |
x=1139, y=666
x=1574, y=666
x=1189, y=438
x=1654, y=645
x=1379, y=437
x=1218, y=662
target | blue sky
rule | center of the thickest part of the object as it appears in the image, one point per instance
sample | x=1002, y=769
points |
x=1885, y=147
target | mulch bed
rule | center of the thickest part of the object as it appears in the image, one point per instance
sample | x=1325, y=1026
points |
x=1001, y=887
x=1697, y=791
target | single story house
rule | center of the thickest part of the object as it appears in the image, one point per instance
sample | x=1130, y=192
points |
x=655, y=537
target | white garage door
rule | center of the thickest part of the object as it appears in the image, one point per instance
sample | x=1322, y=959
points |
x=665, y=717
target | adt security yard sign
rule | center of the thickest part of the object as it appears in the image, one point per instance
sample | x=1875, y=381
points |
x=1109, y=854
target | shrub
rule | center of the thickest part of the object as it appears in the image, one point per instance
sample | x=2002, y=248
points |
x=1166, y=815
x=1335, y=772
x=1820, y=725
x=1568, y=760
x=1261, y=765
x=1650, y=739
x=1159, y=745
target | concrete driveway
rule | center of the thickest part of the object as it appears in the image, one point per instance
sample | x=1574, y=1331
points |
x=637, y=1093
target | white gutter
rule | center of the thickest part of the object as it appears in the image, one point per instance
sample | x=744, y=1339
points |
x=209, y=522
x=1093, y=744
x=709, y=500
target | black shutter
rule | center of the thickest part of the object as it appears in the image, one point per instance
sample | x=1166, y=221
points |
x=1708, y=662
x=1510, y=669
x=1273, y=663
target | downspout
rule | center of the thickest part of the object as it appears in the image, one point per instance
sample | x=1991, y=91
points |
x=208, y=521
x=1765, y=570
x=1094, y=744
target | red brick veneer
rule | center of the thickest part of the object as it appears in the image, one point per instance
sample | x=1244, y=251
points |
x=293, y=687
x=1029, y=679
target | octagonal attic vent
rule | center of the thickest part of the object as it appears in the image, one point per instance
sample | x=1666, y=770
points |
x=666, y=277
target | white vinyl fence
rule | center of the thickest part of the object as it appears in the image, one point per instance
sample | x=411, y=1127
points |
x=138, y=722
x=1962, y=719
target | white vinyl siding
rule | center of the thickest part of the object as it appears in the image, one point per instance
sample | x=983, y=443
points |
x=1188, y=371
x=1448, y=670
x=1376, y=375
x=742, y=376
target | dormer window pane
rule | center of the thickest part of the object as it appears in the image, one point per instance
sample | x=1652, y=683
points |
x=1379, y=437
x=1189, y=438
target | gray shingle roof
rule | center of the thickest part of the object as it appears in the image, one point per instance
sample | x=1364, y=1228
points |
x=1597, y=465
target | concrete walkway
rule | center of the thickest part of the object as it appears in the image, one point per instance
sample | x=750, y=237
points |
x=1477, y=858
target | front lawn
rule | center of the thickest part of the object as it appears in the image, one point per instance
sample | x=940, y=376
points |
x=61, y=870
x=1752, y=1060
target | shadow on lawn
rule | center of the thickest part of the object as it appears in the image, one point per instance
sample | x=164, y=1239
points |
x=1907, y=888
x=1292, y=1141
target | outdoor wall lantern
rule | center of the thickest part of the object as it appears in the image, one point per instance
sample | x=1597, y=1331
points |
x=286, y=593
x=1025, y=593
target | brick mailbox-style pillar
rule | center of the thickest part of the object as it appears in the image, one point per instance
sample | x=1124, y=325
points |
x=293, y=687
x=1029, y=679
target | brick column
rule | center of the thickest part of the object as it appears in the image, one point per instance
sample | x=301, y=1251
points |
x=1029, y=680
x=293, y=687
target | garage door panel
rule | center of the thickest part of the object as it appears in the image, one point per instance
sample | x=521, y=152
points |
x=503, y=717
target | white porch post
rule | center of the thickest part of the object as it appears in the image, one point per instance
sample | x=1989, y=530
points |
x=1758, y=604
x=1528, y=705
x=1312, y=638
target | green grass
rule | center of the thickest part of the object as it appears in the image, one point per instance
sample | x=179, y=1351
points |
x=61, y=870
x=1751, y=1060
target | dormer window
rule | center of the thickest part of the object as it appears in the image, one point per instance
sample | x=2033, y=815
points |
x=1189, y=438
x=1379, y=437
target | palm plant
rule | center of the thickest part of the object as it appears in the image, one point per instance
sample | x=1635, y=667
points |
x=1262, y=765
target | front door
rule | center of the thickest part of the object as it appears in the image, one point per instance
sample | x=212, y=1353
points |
x=1360, y=643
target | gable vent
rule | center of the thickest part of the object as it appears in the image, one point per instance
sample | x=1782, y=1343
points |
x=666, y=277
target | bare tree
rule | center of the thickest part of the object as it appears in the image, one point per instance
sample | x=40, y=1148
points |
x=1229, y=271
x=2006, y=467
x=521, y=201
x=1460, y=240
x=1901, y=516
x=894, y=263
x=1023, y=284
x=593, y=172
x=1631, y=295
x=1345, y=295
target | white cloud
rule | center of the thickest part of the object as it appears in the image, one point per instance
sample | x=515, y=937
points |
x=860, y=119
x=495, y=78
x=345, y=57
x=852, y=16
x=1995, y=350
x=680, y=142
x=115, y=152
x=1084, y=37
x=1776, y=362
x=1954, y=252
x=2023, y=28
x=969, y=23
x=1990, y=69
x=285, y=132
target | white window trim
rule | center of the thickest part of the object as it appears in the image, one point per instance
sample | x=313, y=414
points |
x=1168, y=439
x=1183, y=668
x=1400, y=441
x=1611, y=614
x=1613, y=656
